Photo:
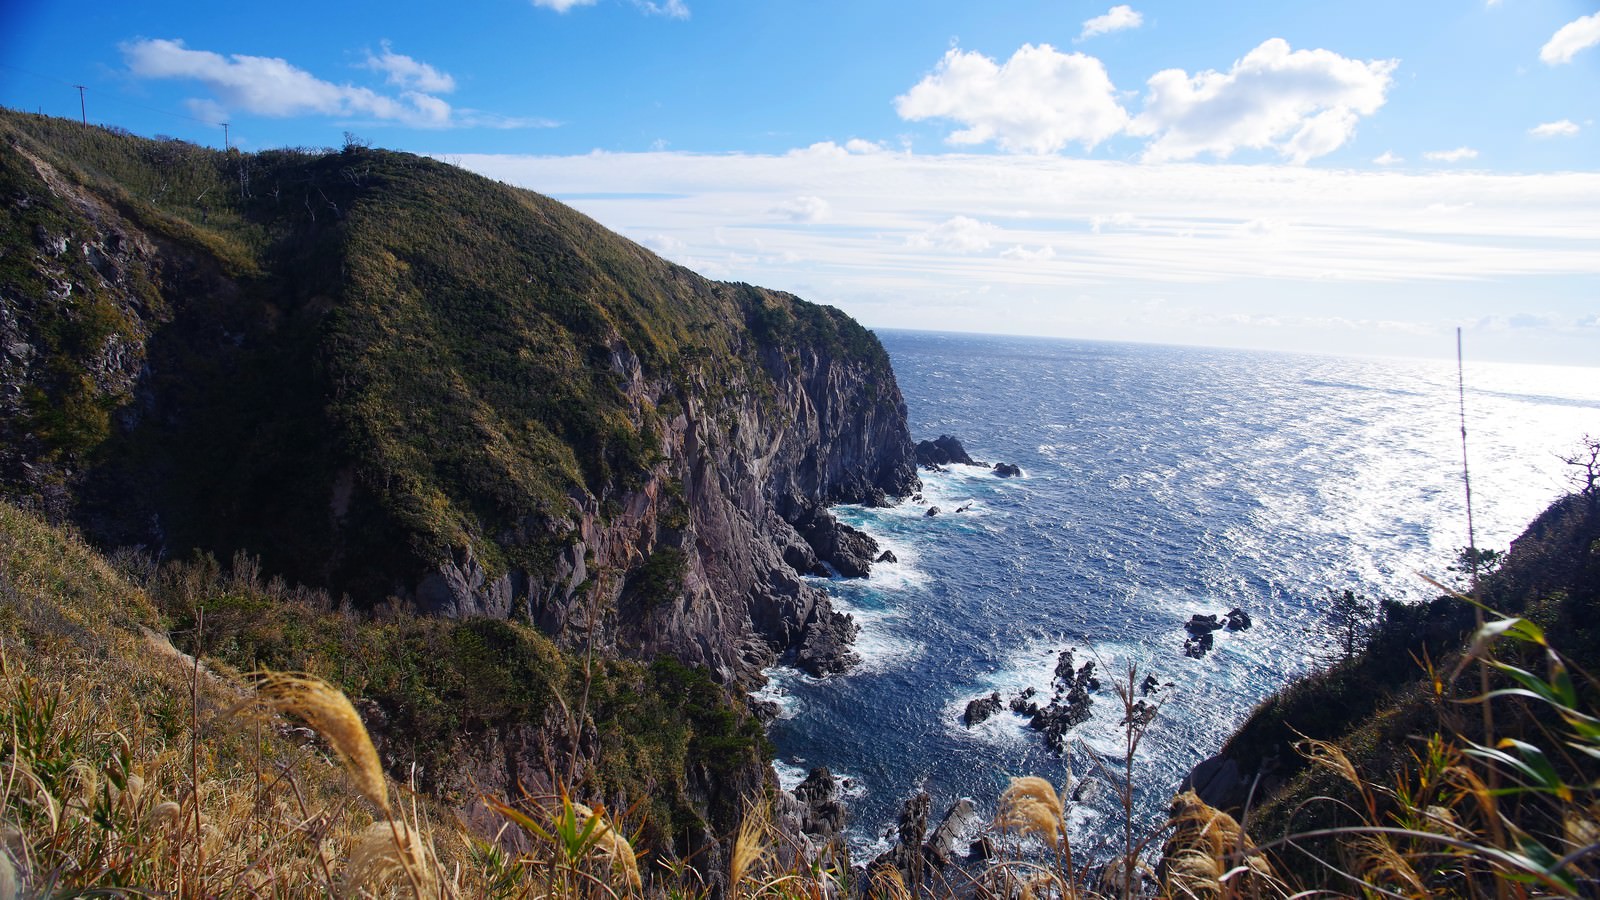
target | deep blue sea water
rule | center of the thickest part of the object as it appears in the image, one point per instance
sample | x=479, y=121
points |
x=1159, y=482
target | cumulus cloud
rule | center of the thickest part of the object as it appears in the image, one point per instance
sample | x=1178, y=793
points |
x=1038, y=101
x=270, y=86
x=960, y=234
x=1118, y=18
x=1579, y=34
x=804, y=209
x=1449, y=156
x=1301, y=103
x=1560, y=128
x=1388, y=158
x=562, y=6
x=409, y=73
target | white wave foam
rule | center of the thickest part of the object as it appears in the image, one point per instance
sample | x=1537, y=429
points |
x=789, y=774
x=778, y=690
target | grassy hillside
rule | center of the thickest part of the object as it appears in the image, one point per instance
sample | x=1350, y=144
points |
x=1406, y=730
x=91, y=695
x=354, y=364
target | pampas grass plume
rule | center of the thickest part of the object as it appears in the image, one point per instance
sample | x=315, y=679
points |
x=1031, y=806
x=611, y=845
x=749, y=847
x=385, y=852
x=328, y=711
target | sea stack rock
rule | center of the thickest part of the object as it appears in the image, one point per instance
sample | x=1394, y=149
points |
x=1007, y=470
x=942, y=452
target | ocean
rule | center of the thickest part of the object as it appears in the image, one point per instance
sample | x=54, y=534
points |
x=1159, y=482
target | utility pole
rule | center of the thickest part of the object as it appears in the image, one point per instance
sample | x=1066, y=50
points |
x=225, y=144
x=83, y=110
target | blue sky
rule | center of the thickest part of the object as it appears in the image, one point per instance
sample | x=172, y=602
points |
x=1353, y=177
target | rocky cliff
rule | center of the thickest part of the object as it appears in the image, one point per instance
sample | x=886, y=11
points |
x=394, y=379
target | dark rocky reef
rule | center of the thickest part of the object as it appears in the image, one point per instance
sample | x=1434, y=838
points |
x=942, y=451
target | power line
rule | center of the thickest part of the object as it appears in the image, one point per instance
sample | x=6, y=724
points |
x=111, y=99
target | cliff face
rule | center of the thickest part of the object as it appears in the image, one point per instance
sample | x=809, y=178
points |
x=395, y=379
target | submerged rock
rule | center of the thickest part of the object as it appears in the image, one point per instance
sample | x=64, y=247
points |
x=1238, y=620
x=1007, y=470
x=932, y=511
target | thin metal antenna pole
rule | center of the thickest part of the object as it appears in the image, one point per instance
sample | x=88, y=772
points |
x=83, y=109
x=225, y=144
x=1466, y=478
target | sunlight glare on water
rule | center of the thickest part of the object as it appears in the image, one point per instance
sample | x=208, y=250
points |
x=1159, y=482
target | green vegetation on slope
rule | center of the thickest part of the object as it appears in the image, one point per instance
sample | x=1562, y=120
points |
x=355, y=364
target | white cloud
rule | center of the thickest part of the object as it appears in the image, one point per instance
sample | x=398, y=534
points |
x=1388, y=158
x=1419, y=246
x=409, y=73
x=804, y=209
x=1023, y=254
x=857, y=145
x=1301, y=103
x=957, y=235
x=1450, y=156
x=1559, y=128
x=1117, y=18
x=270, y=86
x=672, y=9
x=562, y=6
x=1120, y=220
x=1579, y=34
x=1039, y=101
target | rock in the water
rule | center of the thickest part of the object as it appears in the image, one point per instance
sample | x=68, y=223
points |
x=826, y=648
x=932, y=511
x=887, y=556
x=942, y=452
x=1238, y=620
x=1198, y=645
x=765, y=710
x=849, y=551
x=1071, y=704
x=1149, y=685
x=1199, y=624
x=822, y=812
x=959, y=824
x=1139, y=715
x=1022, y=704
x=1007, y=470
x=981, y=709
x=963, y=507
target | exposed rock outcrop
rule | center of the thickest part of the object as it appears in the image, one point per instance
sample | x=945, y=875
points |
x=943, y=451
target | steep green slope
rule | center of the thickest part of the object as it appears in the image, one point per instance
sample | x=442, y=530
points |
x=387, y=376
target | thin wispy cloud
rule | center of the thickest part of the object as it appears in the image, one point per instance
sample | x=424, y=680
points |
x=562, y=6
x=1572, y=38
x=405, y=72
x=274, y=87
x=672, y=9
x=1558, y=128
x=1388, y=158
x=1459, y=154
x=1118, y=18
